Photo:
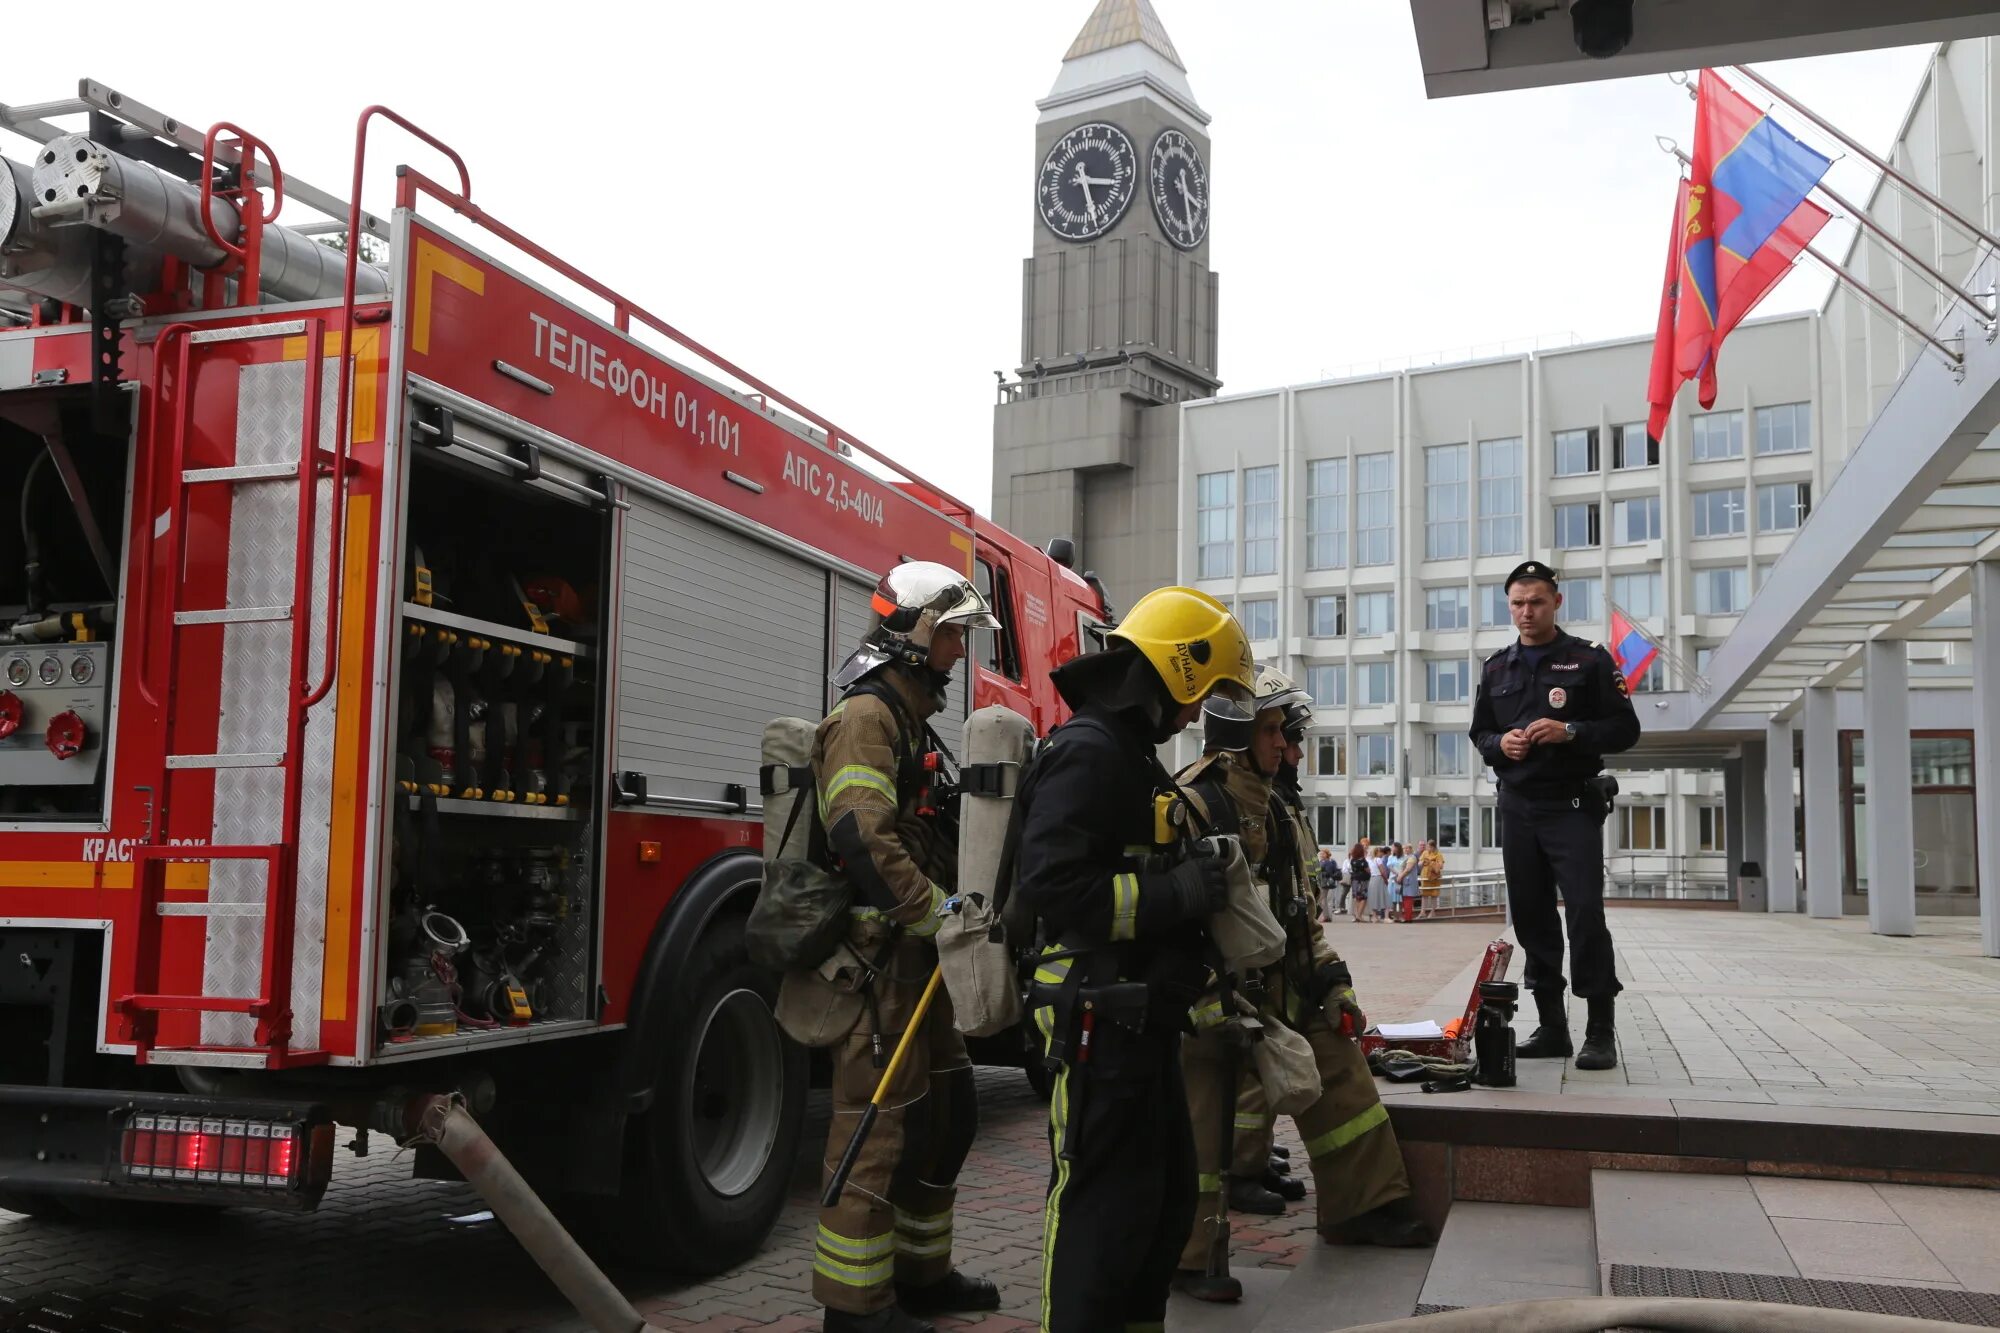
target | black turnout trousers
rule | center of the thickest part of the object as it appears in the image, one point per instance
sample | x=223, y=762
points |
x=1552, y=846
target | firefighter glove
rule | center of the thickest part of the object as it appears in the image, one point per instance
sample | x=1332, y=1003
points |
x=1336, y=986
x=1197, y=887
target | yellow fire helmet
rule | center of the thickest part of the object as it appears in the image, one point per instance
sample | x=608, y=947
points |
x=1193, y=642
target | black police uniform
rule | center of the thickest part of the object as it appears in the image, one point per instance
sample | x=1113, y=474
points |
x=1122, y=1186
x=1551, y=813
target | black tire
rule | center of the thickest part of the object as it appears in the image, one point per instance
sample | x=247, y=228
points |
x=710, y=1162
x=30, y=1203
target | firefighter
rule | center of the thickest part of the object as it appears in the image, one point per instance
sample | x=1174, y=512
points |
x=1247, y=783
x=1550, y=707
x=1105, y=865
x=883, y=1253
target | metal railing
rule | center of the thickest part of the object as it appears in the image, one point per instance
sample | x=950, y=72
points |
x=1063, y=380
x=1656, y=877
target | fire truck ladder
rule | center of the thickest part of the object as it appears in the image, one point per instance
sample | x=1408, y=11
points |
x=271, y=1006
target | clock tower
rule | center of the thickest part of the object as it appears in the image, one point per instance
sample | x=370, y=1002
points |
x=1118, y=306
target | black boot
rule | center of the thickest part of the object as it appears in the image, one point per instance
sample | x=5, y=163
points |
x=1289, y=1188
x=1250, y=1196
x=1280, y=1153
x=954, y=1293
x=1394, y=1225
x=1600, y=1035
x=890, y=1320
x=1198, y=1285
x=1550, y=1040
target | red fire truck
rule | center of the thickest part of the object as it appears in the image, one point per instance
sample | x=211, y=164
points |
x=385, y=644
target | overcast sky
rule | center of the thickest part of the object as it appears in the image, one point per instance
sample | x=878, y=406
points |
x=839, y=196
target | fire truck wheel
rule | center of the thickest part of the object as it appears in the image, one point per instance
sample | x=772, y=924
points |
x=716, y=1148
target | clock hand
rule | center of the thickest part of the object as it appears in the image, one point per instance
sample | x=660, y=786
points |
x=1089, y=202
x=1092, y=180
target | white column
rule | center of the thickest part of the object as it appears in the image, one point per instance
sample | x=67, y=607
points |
x=1892, y=867
x=1986, y=747
x=1781, y=840
x=1824, y=853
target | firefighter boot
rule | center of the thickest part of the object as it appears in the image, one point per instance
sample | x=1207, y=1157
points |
x=1600, y=1035
x=890, y=1319
x=1197, y=1285
x=1550, y=1040
x=1250, y=1196
x=954, y=1293
x=1394, y=1225
x=1289, y=1188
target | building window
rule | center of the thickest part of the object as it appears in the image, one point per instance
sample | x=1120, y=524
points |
x=1721, y=592
x=1655, y=679
x=1326, y=617
x=1499, y=497
x=1215, y=525
x=1326, y=513
x=1450, y=754
x=1374, y=754
x=1709, y=819
x=1375, y=509
x=1444, y=502
x=1374, y=684
x=1635, y=521
x=1634, y=449
x=1489, y=826
x=1786, y=429
x=1764, y=568
x=1447, y=681
x=1576, y=526
x=1447, y=607
x=1493, y=606
x=1327, y=685
x=1260, y=520
x=1329, y=755
x=1260, y=617
x=1330, y=825
x=1719, y=513
x=1783, y=507
x=1702, y=657
x=1637, y=595
x=1576, y=452
x=1374, y=613
x=1583, y=601
x=1642, y=828
x=1377, y=823
x=1449, y=826
x=1717, y=435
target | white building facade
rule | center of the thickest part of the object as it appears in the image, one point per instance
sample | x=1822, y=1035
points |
x=1361, y=528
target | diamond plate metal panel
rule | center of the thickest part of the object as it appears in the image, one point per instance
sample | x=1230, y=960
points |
x=566, y=989
x=256, y=659
x=1977, y=1308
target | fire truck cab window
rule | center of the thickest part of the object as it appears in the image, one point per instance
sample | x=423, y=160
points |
x=996, y=648
x=1089, y=633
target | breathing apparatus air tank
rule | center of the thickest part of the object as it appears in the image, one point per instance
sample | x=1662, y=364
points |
x=973, y=949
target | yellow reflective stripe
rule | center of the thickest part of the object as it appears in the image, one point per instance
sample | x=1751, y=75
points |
x=857, y=775
x=1055, y=972
x=1206, y=1015
x=1052, y=1210
x=1209, y=1182
x=1325, y=1145
x=1045, y=1019
x=838, y=709
x=851, y=1247
x=1140, y=849
x=928, y=924
x=1124, y=906
x=1249, y=1122
x=855, y=1275
x=924, y=1249
x=938, y=1224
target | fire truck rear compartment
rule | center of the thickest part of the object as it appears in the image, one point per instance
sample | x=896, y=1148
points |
x=494, y=886
x=62, y=529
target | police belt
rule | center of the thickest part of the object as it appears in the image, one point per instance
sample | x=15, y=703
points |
x=1585, y=793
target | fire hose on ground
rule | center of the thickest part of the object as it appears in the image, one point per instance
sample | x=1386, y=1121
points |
x=1592, y=1314
x=444, y=1123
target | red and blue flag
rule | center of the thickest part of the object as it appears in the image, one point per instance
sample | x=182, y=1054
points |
x=1744, y=222
x=1631, y=648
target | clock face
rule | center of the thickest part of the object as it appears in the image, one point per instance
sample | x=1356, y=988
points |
x=1180, y=189
x=1087, y=181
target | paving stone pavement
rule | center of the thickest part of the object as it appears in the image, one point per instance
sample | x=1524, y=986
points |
x=384, y=1252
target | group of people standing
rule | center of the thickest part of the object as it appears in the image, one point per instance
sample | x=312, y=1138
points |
x=1387, y=883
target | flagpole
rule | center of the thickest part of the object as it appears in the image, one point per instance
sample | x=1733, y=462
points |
x=1957, y=359
x=1883, y=234
x=1861, y=150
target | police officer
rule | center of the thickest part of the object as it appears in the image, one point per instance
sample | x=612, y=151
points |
x=883, y=1253
x=1549, y=709
x=1123, y=905
x=1247, y=784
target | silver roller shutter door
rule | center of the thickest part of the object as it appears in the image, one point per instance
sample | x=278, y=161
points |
x=718, y=634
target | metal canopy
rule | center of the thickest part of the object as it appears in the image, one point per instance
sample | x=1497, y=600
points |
x=1460, y=54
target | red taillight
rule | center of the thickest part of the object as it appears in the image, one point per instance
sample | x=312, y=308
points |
x=220, y=1152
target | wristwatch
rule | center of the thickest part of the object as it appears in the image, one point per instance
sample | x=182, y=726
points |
x=1569, y=731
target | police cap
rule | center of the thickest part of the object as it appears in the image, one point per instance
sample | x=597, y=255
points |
x=1530, y=569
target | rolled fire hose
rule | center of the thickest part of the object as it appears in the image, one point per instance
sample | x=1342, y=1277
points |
x=447, y=1124
x=1593, y=1314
